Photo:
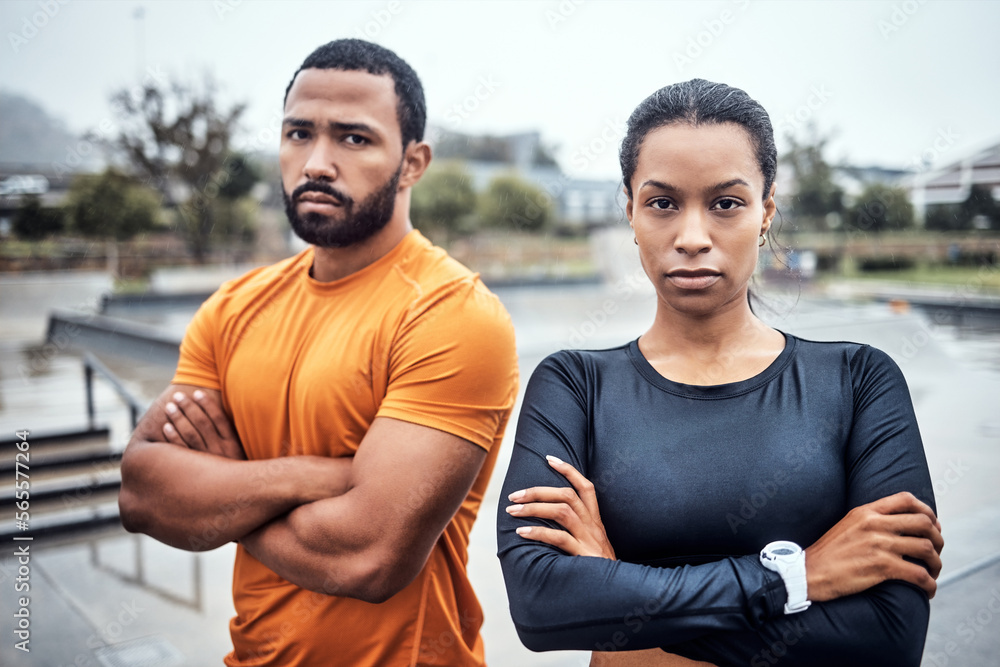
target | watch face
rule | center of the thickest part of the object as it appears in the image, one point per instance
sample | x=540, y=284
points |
x=783, y=551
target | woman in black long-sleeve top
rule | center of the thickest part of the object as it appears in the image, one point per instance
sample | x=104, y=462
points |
x=660, y=490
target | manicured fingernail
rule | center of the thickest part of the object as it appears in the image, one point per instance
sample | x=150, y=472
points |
x=513, y=509
x=553, y=460
x=523, y=531
x=171, y=408
x=178, y=396
x=199, y=394
x=168, y=428
x=517, y=495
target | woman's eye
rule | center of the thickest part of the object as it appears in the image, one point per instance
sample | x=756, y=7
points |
x=660, y=204
x=727, y=204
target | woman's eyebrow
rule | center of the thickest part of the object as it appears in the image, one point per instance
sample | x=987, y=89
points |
x=660, y=185
x=727, y=184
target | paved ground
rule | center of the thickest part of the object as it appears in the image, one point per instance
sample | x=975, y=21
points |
x=119, y=599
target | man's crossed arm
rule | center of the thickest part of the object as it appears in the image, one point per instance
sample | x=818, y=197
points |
x=360, y=528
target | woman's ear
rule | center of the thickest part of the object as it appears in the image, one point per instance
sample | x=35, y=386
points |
x=770, y=209
x=416, y=159
x=628, y=208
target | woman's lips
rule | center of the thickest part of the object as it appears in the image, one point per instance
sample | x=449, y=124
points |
x=693, y=279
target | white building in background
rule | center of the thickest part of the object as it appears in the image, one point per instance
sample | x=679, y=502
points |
x=951, y=183
x=579, y=203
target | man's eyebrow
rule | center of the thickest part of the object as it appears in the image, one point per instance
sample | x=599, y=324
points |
x=336, y=126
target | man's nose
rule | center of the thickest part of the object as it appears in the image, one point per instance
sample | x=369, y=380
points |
x=321, y=165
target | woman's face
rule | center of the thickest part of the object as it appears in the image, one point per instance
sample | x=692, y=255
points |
x=697, y=214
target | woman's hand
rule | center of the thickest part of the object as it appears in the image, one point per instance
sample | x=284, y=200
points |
x=575, y=509
x=867, y=546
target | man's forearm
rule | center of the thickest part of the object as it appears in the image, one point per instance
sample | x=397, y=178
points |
x=333, y=547
x=197, y=501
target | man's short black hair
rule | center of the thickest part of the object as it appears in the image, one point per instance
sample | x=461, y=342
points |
x=358, y=55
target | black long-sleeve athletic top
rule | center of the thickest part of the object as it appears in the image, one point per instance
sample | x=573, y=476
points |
x=692, y=482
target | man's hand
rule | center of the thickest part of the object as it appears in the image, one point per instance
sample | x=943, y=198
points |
x=202, y=425
x=188, y=486
x=407, y=482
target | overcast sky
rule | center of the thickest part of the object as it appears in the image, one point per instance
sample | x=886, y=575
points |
x=895, y=80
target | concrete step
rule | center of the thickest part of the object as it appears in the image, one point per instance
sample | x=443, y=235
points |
x=73, y=479
x=77, y=519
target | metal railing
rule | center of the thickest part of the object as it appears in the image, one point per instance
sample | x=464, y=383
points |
x=92, y=365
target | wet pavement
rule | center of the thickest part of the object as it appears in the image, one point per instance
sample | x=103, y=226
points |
x=111, y=598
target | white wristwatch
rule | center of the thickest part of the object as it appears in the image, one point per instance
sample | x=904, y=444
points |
x=789, y=560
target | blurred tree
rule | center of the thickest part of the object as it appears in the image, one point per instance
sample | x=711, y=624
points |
x=815, y=195
x=881, y=208
x=943, y=217
x=510, y=202
x=180, y=135
x=243, y=174
x=112, y=205
x=444, y=200
x=34, y=223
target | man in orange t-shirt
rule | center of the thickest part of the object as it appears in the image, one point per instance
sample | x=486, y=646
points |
x=338, y=414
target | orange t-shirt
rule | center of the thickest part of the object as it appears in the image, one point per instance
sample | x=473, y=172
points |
x=304, y=368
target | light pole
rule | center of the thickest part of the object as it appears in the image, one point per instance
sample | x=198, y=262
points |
x=139, y=14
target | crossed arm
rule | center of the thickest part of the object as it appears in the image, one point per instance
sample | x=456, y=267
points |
x=360, y=527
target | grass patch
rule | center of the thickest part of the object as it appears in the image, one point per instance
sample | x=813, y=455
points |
x=974, y=277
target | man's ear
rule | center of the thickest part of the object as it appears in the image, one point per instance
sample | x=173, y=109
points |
x=415, y=162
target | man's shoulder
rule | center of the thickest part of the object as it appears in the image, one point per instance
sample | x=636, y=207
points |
x=264, y=277
x=438, y=280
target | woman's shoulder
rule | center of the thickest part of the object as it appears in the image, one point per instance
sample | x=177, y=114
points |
x=858, y=357
x=582, y=367
x=576, y=358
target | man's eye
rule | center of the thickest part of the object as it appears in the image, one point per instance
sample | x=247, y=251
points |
x=355, y=139
x=297, y=134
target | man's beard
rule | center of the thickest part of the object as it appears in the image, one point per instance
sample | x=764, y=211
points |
x=372, y=214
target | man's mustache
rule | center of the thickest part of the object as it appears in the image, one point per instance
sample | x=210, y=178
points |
x=325, y=188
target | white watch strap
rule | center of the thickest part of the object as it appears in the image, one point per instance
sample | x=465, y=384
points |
x=796, y=586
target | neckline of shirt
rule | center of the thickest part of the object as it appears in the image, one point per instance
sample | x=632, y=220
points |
x=412, y=239
x=712, y=391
